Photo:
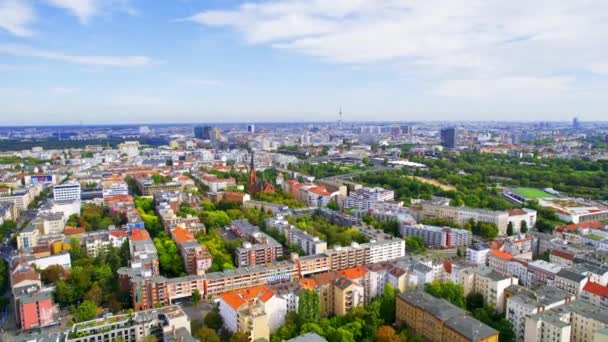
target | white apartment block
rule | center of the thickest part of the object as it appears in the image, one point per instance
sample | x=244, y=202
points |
x=366, y=198
x=487, y=282
x=523, y=302
x=66, y=192
x=577, y=321
x=478, y=254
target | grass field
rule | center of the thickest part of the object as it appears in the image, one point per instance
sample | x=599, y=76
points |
x=532, y=193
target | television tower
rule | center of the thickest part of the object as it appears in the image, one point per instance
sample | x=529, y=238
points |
x=340, y=120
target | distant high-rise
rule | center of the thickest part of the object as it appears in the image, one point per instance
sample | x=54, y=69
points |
x=251, y=128
x=576, y=124
x=449, y=137
x=198, y=132
x=202, y=132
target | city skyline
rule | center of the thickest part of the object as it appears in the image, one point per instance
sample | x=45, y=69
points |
x=129, y=62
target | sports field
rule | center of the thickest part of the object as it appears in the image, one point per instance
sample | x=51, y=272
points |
x=532, y=193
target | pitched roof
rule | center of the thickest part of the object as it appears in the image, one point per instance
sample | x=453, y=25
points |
x=140, y=235
x=596, y=289
x=308, y=283
x=181, y=235
x=563, y=254
x=69, y=230
x=582, y=225
x=237, y=298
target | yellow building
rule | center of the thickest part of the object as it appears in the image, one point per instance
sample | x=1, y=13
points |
x=438, y=320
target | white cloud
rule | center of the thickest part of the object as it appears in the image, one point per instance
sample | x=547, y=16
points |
x=84, y=10
x=508, y=87
x=113, y=61
x=451, y=39
x=16, y=16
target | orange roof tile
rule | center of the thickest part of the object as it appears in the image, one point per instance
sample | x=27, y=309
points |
x=140, y=235
x=502, y=255
x=596, y=289
x=353, y=273
x=237, y=298
x=582, y=225
x=308, y=283
x=69, y=230
x=181, y=235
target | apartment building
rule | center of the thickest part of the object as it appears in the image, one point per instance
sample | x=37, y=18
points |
x=437, y=237
x=216, y=184
x=28, y=237
x=438, y=320
x=21, y=198
x=462, y=215
x=366, y=198
x=522, y=302
x=570, y=280
x=516, y=216
x=577, y=321
x=67, y=191
x=147, y=187
x=233, y=305
x=243, y=277
x=478, y=254
x=487, y=282
x=168, y=323
x=310, y=244
x=50, y=223
x=541, y=273
x=337, y=292
x=596, y=294
x=259, y=247
x=499, y=261
x=196, y=258
x=101, y=241
x=561, y=257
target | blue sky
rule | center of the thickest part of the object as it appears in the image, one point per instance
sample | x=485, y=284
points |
x=138, y=61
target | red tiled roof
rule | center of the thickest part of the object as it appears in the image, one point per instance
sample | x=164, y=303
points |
x=502, y=255
x=69, y=230
x=308, y=283
x=140, y=235
x=516, y=212
x=239, y=297
x=563, y=254
x=582, y=225
x=353, y=273
x=118, y=233
x=181, y=235
x=596, y=289
x=319, y=190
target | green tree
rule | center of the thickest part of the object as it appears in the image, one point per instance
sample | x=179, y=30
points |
x=524, y=227
x=85, y=311
x=52, y=273
x=333, y=205
x=196, y=297
x=510, y=229
x=308, y=306
x=239, y=337
x=415, y=244
x=454, y=293
x=207, y=335
x=214, y=320
x=388, y=304
x=474, y=301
